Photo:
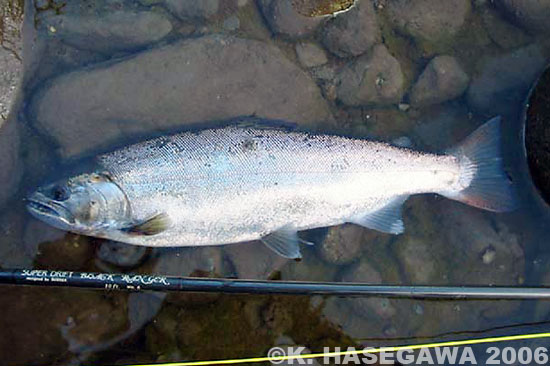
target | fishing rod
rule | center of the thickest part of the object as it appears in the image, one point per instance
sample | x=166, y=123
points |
x=142, y=282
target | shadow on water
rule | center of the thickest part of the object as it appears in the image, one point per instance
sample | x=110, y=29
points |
x=103, y=74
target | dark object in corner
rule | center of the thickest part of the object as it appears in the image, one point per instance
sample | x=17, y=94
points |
x=537, y=134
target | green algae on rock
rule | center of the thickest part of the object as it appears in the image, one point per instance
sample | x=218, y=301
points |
x=283, y=19
x=353, y=32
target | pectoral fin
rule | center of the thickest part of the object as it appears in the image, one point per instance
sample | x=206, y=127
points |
x=387, y=219
x=151, y=226
x=284, y=242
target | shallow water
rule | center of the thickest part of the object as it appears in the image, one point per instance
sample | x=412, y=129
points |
x=99, y=75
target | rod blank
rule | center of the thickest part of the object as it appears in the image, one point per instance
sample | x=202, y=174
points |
x=136, y=282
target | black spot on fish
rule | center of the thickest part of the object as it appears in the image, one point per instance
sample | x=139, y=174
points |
x=249, y=145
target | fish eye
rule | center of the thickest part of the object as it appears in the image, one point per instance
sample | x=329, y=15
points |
x=60, y=193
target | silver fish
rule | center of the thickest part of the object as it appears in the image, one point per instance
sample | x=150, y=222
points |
x=232, y=184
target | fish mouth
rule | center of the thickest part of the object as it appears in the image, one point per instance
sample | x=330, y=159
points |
x=47, y=210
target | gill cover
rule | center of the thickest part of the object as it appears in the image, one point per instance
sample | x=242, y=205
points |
x=86, y=204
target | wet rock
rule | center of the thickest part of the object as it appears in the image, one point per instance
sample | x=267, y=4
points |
x=12, y=251
x=418, y=261
x=195, y=80
x=37, y=233
x=428, y=20
x=503, y=81
x=49, y=315
x=231, y=23
x=10, y=63
x=466, y=248
x=440, y=127
x=443, y=79
x=386, y=124
x=375, y=316
x=186, y=261
x=254, y=260
x=141, y=308
x=110, y=32
x=192, y=8
x=310, y=268
x=353, y=32
x=10, y=76
x=276, y=318
x=502, y=32
x=121, y=254
x=364, y=272
x=472, y=246
x=371, y=79
x=343, y=244
x=533, y=15
x=310, y=55
x=70, y=253
x=283, y=19
x=11, y=172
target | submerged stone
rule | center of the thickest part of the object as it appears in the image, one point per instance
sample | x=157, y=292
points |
x=443, y=79
x=310, y=55
x=533, y=15
x=113, y=31
x=191, y=81
x=283, y=18
x=342, y=244
x=192, y=8
x=374, y=78
x=353, y=32
x=430, y=21
x=10, y=161
x=254, y=260
x=503, y=81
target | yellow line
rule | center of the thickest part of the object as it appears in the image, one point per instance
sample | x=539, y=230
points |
x=358, y=351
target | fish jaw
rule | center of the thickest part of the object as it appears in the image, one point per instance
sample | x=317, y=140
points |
x=51, y=212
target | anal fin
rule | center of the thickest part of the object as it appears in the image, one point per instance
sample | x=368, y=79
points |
x=386, y=219
x=284, y=242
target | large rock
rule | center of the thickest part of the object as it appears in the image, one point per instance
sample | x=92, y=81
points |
x=533, y=15
x=342, y=244
x=353, y=32
x=310, y=55
x=209, y=78
x=282, y=18
x=254, y=260
x=428, y=20
x=371, y=79
x=443, y=79
x=45, y=318
x=192, y=8
x=501, y=31
x=11, y=172
x=113, y=31
x=503, y=81
x=10, y=79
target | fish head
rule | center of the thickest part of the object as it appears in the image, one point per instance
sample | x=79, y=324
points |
x=86, y=204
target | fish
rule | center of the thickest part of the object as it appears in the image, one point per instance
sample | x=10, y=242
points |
x=244, y=183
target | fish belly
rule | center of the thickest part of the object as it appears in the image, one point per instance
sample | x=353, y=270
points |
x=232, y=185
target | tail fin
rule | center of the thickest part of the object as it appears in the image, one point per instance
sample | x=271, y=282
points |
x=487, y=185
